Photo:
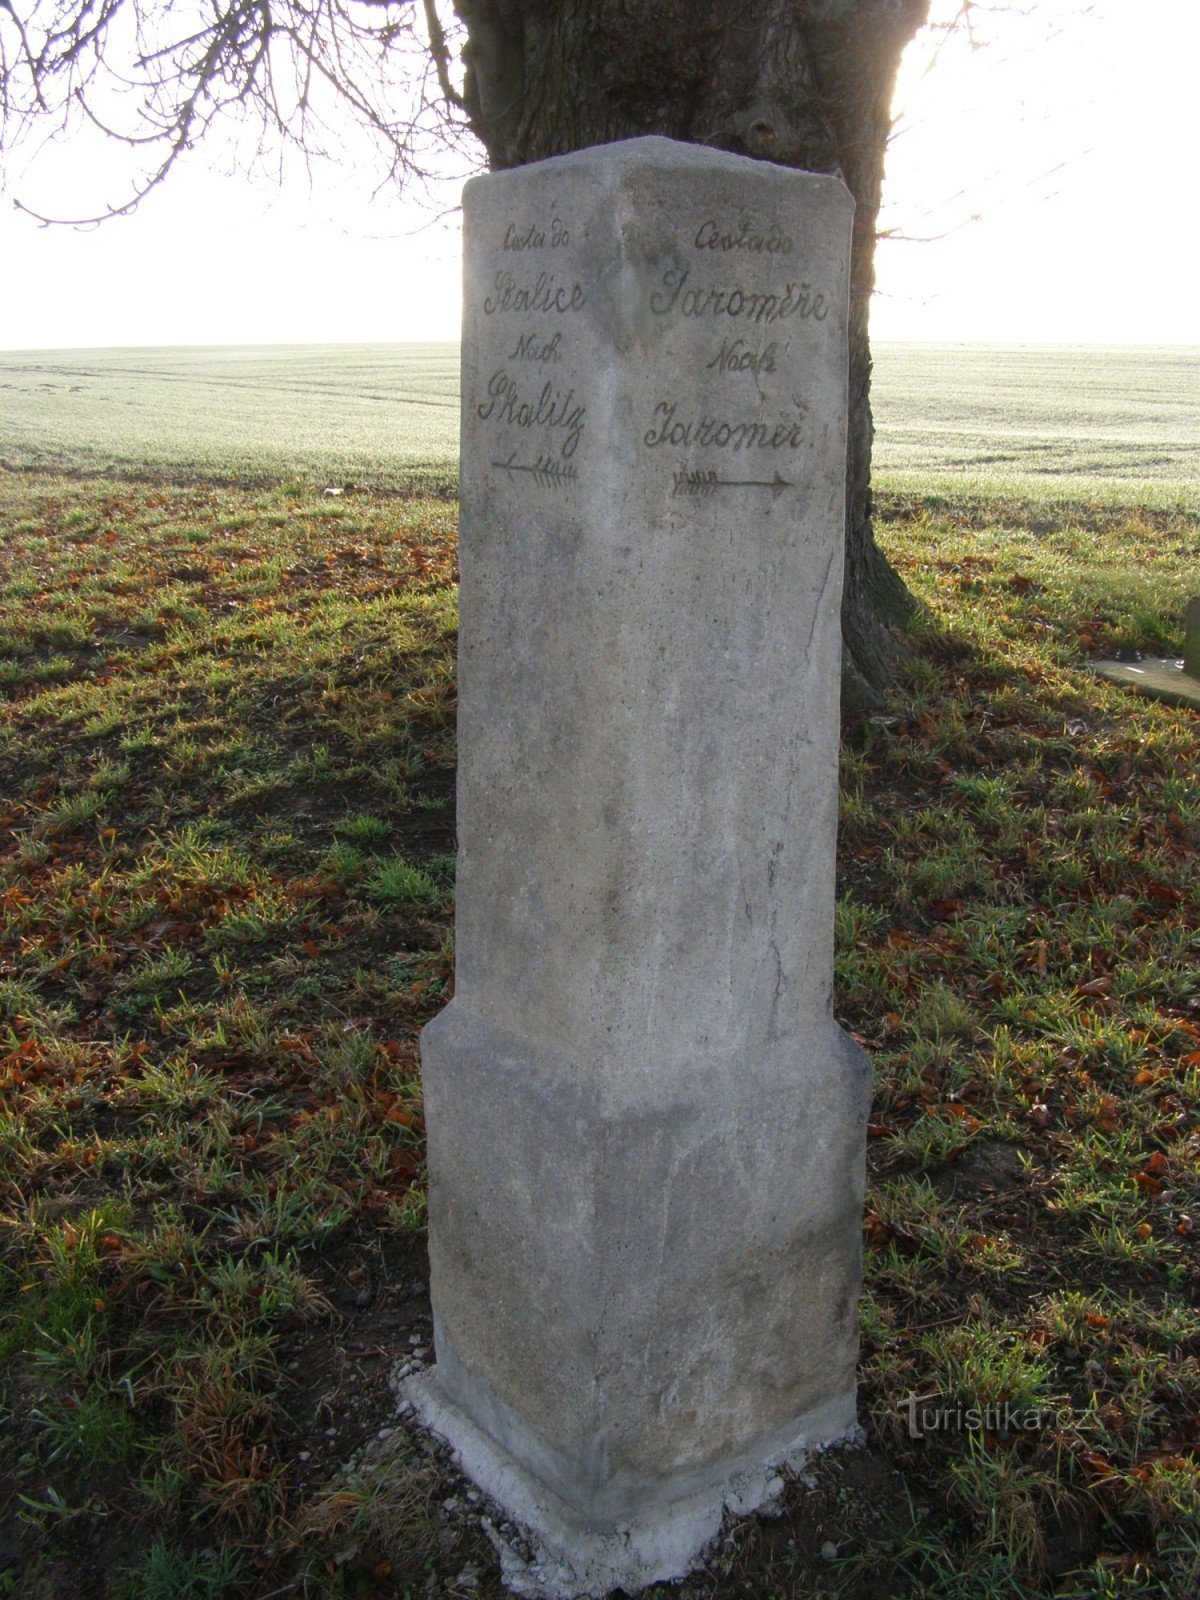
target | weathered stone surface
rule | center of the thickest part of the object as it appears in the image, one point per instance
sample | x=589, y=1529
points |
x=646, y=1131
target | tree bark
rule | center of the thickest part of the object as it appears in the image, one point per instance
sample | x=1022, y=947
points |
x=807, y=83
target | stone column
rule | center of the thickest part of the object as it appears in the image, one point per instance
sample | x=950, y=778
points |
x=646, y=1132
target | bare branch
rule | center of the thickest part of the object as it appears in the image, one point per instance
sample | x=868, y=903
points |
x=161, y=79
x=440, y=53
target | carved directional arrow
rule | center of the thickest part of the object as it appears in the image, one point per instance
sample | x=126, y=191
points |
x=544, y=470
x=707, y=482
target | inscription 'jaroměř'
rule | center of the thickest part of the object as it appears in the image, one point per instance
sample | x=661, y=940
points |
x=721, y=434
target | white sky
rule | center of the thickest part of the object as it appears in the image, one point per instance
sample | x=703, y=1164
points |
x=1072, y=139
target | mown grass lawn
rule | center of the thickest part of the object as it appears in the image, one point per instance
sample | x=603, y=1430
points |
x=226, y=880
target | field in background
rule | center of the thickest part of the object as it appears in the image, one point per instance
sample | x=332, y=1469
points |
x=383, y=415
x=1118, y=425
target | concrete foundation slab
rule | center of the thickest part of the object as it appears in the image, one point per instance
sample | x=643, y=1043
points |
x=1156, y=679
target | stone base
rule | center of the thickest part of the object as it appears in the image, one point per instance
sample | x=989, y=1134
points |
x=642, y=1276
x=670, y=1533
x=1154, y=678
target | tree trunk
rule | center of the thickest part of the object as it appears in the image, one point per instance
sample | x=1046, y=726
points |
x=807, y=83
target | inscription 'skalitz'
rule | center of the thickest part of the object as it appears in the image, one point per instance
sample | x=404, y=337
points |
x=507, y=404
x=757, y=305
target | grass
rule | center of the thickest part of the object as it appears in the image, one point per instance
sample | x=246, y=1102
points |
x=226, y=892
x=1002, y=422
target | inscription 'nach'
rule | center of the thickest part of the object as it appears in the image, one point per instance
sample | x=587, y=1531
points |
x=536, y=348
x=735, y=355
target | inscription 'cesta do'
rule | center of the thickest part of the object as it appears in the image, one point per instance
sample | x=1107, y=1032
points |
x=535, y=238
x=746, y=236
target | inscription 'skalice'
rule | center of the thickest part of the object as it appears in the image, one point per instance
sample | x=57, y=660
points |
x=746, y=236
x=508, y=405
x=756, y=305
x=720, y=434
x=545, y=293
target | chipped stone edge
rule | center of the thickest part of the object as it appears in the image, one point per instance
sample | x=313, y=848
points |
x=558, y=1557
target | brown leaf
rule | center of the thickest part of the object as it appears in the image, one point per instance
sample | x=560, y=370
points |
x=943, y=910
x=1164, y=894
x=1095, y=986
x=1108, y=1113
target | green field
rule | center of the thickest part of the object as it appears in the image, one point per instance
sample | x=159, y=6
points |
x=383, y=415
x=1119, y=425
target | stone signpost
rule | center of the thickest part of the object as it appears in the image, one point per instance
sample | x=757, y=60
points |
x=646, y=1131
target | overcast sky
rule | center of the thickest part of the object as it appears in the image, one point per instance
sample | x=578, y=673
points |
x=1071, y=141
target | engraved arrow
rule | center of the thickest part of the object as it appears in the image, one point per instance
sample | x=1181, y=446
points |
x=543, y=470
x=702, y=482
